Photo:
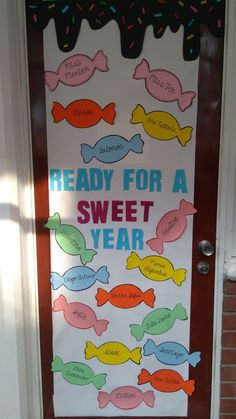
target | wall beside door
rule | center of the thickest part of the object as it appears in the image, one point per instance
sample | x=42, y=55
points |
x=12, y=376
x=19, y=353
x=228, y=360
x=227, y=225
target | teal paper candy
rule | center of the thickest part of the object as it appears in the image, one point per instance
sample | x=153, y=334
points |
x=70, y=239
x=78, y=373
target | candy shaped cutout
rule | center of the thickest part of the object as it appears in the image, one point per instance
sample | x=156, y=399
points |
x=78, y=374
x=161, y=125
x=156, y=268
x=79, y=315
x=126, y=397
x=167, y=381
x=83, y=113
x=125, y=296
x=171, y=226
x=76, y=70
x=163, y=85
x=171, y=353
x=70, y=239
x=113, y=353
x=158, y=321
x=79, y=278
x=112, y=148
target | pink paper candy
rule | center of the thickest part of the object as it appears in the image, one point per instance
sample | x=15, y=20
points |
x=79, y=315
x=76, y=70
x=126, y=397
x=163, y=85
x=171, y=226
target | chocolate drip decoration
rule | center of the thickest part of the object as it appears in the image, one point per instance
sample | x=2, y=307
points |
x=132, y=17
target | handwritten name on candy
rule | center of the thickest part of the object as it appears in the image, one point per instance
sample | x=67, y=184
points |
x=158, y=321
x=167, y=381
x=171, y=226
x=113, y=353
x=163, y=85
x=83, y=113
x=161, y=125
x=76, y=70
x=126, y=397
x=125, y=296
x=79, y=315
x=171, y=353
x=77, y=373
x=156, y=268
x=112, y=148
x=79, y=278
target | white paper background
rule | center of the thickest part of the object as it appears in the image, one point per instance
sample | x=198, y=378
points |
x=64, y=141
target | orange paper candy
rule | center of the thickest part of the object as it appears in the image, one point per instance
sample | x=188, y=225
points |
x=125, y=296
x=83, y=113
x=167, y=381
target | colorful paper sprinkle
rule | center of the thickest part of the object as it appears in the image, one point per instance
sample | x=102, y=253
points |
x=131, y=16
x=66, y=8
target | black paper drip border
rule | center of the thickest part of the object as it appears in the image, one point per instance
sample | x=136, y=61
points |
x=132, y=17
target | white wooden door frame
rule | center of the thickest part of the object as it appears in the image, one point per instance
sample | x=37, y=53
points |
x=20, y=386
x=226, y=228
x=26, y=328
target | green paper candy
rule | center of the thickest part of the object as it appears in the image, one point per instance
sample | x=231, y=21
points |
x=78, y=373
x=70, y=239
x=158, y=321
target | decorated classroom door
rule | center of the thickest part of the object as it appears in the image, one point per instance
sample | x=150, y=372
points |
x=125, y=131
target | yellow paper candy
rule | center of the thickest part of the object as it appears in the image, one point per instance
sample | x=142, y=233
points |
x=156, y=268
x=112, y=353
x=161, y=125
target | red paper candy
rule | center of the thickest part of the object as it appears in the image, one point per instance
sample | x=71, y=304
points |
x=83, y=113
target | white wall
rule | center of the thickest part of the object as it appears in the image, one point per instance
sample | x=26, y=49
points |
x=9, y=244
x=18, y=334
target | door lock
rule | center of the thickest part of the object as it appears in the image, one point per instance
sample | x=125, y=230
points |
x=206, y=248
x=203, y=268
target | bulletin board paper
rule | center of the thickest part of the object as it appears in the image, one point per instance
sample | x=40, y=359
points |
x=151, y=177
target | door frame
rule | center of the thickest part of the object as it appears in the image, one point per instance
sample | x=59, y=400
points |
x=28, y=302
x=226, y=231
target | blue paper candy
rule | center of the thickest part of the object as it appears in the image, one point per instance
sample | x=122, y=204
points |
x=171, y=353
x=112, y=148
x=79, y=278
